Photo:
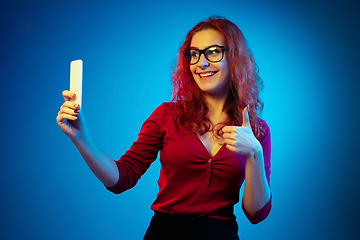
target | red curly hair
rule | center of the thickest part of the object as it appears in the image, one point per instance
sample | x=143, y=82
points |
x=245, y=84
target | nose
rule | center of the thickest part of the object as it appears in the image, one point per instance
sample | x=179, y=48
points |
x=203, y=62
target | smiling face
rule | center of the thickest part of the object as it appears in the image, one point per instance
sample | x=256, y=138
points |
x=212, y=78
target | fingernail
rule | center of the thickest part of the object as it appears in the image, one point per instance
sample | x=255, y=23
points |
x=76, y=105
x=77, y=110
x=74, y=95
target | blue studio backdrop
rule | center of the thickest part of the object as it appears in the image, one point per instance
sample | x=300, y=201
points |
x=307, y=52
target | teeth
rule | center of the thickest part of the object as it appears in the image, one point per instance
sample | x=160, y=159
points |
x=207, y=74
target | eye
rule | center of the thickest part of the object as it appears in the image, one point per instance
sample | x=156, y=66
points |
x=213, y=51
x=194, y=53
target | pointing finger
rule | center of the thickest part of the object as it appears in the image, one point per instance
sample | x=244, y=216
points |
x=68, y=95
x=228, y=129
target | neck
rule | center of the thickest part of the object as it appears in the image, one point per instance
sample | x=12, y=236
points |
x=216, y=103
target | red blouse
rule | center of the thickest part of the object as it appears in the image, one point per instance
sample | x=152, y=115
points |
x=191, y=181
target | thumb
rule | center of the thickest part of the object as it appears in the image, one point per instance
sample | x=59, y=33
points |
x=245, y=115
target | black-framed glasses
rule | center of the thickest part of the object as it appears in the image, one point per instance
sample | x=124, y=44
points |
x=212, y=54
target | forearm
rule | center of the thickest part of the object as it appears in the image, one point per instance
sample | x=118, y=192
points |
x=103, y=167
x=256, y=190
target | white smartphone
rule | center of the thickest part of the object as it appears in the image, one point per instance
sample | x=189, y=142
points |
x=76, y=74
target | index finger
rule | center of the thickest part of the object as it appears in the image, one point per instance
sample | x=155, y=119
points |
x=68, y=95
x=228, y=129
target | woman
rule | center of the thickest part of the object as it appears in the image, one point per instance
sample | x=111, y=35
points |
x=209, y=137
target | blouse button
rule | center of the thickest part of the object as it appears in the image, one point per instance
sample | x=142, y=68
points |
x=210, y=160
x=207, y=181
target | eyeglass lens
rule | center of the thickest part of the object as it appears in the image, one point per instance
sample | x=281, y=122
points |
x=213, y=54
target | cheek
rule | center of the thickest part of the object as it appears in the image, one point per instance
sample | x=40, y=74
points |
x=192, y=70
x=225, y=71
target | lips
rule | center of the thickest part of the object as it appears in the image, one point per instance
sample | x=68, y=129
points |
x=207, y=74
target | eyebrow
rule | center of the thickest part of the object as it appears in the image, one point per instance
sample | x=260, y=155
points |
x=214, y=45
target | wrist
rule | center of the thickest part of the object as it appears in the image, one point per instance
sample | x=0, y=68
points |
x=80, y=138
x=256, y=152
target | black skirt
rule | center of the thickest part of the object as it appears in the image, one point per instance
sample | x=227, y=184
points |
x=174, y=227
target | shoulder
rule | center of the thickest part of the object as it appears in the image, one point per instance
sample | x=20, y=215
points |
x=263, y=124
x=164, y=110
x=264, y=130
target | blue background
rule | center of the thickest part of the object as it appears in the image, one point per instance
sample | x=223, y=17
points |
x=308, y=58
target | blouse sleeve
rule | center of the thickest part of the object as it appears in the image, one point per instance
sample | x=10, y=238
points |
x=134, y=163
x=265, y=142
